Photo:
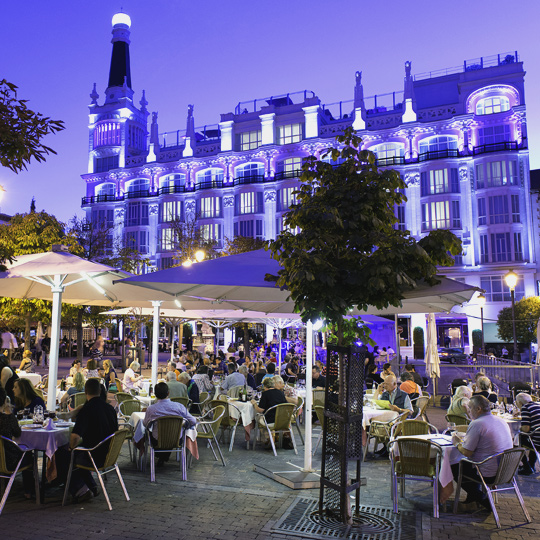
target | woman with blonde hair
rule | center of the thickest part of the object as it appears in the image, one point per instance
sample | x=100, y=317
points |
x=78, y=386
x=109, y=375
x=460, y=401
x=27, y=363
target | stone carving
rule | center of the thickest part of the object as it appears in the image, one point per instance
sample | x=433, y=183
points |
x=190, y=206
x=207, y=149
x=153, y=209
x=412, y=179
x=119, y=213
x=384, y=121
x=228, y=202
x=437, y=112
x=463, y=174
x=270, y=196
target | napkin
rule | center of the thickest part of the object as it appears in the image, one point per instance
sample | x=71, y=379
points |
x=50, y=425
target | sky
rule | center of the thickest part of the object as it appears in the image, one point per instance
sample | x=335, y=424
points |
x=213, y=54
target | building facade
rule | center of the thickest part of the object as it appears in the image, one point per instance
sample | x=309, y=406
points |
x=457, y=137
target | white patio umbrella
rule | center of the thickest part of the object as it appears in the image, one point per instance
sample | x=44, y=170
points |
x=433, y=364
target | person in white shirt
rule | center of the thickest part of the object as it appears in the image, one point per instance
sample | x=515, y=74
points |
x=131, y=380
x=8, y=342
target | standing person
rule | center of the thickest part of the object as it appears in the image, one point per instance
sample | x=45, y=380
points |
x=45, y=348
x=95, y=422
x=98, y=348
x=9, y=343
x=383, y=357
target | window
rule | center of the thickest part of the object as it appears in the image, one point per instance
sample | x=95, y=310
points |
x=210, y=207
x=484, y=250
x=480, y=178
x=289, y=168
x=166, y=262
x=107, y=134
x=285, y=198
x=496, y=174
x=136, y=138
x=171, y=211
x=167, y=240
x=137, y=214
x=212, y=232
x=439, y=181
x=494, y=134
x=497, y=291
x=139, y=187
x=210, y=177
x=518, y=250
x=482, y=218
x=250, y=140
x=249, y=202
x=436, y=215
x=138, y=240
x=456, y=217
x=492, y=105
x=252, y=228
x=172, y=183
x=400, y=216
x=388, y=151
x=103, y=218
x=498, y=209
x=106, y=192
x=290, y=133
x=105, y=164
x=516, y=218
x=500, y=247
x=250, y=171
x=438, y=144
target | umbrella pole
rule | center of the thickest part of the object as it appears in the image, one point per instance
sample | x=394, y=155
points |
x=279, y=352
x=155, y=342
x=309, y=398
x=56, y=316
x=172, y=342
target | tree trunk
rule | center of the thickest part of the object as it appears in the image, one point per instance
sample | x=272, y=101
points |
x=27, y=321
x=180, y=337
x=245, y=327
x=80, y=345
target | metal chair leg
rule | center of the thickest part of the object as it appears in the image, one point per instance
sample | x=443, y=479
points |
x=299, y=432
x=272, y=441
x=104, y=491
x=232, y=437
x=152, y=465
x=70, y=470
x=219, y=451
x=293, y=441
x=121, y=480
x=521, y=501
x=492, y=504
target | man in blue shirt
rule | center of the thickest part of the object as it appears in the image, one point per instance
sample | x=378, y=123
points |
x=233, y=379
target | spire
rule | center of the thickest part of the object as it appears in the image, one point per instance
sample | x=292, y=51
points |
x=189, y=147
x=409, y=101
x=153, y=149
x=120, y=72
x=359, y=106
x=143, y=103
x=94, y=96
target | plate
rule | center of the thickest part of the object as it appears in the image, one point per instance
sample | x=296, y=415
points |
x=64, y=424
x=32, y=426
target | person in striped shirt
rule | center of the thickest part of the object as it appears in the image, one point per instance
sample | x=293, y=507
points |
x=530, y=422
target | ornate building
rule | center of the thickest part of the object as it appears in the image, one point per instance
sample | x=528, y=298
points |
x=458, y=137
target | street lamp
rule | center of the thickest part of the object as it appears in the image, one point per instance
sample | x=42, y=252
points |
x=482, y=301
x=511, y=280
x=200, y=255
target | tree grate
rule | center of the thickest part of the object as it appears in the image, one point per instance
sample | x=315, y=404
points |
x=370, y=523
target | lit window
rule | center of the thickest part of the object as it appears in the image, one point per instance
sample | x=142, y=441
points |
x=106, y=190
x=212, y=232
x=497, y=290
x=210, y=177
x=167, y=240
x=107, y=134
x=400, y=216
x=290, y=133
x=439, y=181
x=250, y=140
x=388, y=150
x=484, y=250
x=494, y=134
x=210, y=207
x=286, y=198
x=247, y=203
x=438, y=144
x=170, y=211
x=250, y=170
x=172, y=183
x=140, y=186
x=492, y=105
x=289, y=168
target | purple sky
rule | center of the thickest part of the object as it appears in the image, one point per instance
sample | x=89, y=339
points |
x=213, y=54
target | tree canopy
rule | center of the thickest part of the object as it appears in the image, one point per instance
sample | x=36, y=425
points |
x=22, y=130
x=340, y=247
x=527, y=312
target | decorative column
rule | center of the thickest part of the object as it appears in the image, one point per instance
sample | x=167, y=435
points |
x=267, y=128
x=226, y=129
x=311, y=119
x=155, y=342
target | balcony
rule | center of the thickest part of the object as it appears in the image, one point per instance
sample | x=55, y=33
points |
x=385, y=162
x=251, y=179
x=496, y=147
x=439, y=154
x=140, y=194
x=283, y=175
x=94, y=199
x=209, y=184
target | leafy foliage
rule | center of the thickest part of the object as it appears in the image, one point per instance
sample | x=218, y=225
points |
x=22, y=130
x=242, y=244
x=347, y=251
x=353, y=330
x=527, y=314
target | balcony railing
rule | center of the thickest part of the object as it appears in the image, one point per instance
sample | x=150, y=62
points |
x=254, y=105
x=93, y=199
x=209, y=184
x=251, y=179
x=385, y=162
x=140, y=194
x=283, y=175
x=439, y=154
x=495, y=147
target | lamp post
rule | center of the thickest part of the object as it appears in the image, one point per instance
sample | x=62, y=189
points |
x=482, y=302
x=511, y=281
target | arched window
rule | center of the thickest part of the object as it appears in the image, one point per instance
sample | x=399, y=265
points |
x=388, y=150
x=210, y=177
x=140, y=187
x=106, y=190
x=172, y=183
x=289, y=168
x=438, y=144
x=250, y=170
x=492, y=105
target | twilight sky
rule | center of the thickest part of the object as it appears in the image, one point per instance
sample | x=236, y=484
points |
x=214, y=54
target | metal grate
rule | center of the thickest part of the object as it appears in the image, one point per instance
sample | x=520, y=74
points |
x=370, y=523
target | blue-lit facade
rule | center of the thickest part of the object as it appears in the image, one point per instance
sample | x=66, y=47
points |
x=458, y=137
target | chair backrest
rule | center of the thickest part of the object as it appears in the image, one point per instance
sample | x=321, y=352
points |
x=169, y=431
x=284, y=414
x=509, y=461
x=299, y=405
x=183, y=400
x=458, y=419
x=318, y=397
x=216, y=413
x=5, y=442
x=414, y=427
x=234, y=392
x=415, y=456
x=78, y=399
x=221, y=397
x=227, y=420
x=319, y=411
x=422, y=404
x=115, y=445
x=119, y=386
x=39, y=392
x=203, y=398
x=129, y=406
x=122, y=396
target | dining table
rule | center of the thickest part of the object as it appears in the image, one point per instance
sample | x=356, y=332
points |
x=244, y=411
x=34, y=378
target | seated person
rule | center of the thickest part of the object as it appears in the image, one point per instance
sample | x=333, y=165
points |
x=387, y=371
x=270, y=397
x=75, y=368
x=27, y=364
x=483, y=388
x=131, y=380
x=78, y=386
x=288, y=391
x=91, y=369
x=176, y=388
x=192, y=391
x=460, y=401
x=26, y=396
x=373, y=379
x=233, y=379
x=408, y=385
x=486, y=435
x=250, y=379
x=416, y=377
x=202, y=380
x=291, y=370
x=260, y=373
x=165, y=407
x=270, y=370
x=399, y=400
x=530, y=421
x=317, y=380
x=109, y=375
x=456, y=383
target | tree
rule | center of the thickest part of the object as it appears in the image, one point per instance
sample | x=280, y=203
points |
x=242, y=244
x=22, y=130
x=527, y=312
x=94, y=239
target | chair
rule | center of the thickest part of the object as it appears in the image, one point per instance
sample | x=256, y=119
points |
x=122, y=396
x=457, y=419
x=170, y=438
x=119, y=386
x=415, y=461
x=228, y=422
x=408, y=428
x=78, y=399
x=127, y=408
x=7, y=473
x=530, y=436
x=318, y=397
x=382, y=431
x=296, y=416
x=205, y=398
x=234, y=392
x=509, y=461
x=283, y=422
x=115, y=441
x=319, y=411
x=421, y=404
x=183, y=400
x=211, y=427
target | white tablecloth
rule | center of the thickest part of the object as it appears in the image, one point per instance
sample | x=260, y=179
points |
x=42, y=439
x=246, y=410
x=382, y=415
x=135, y=422
x=34, y=378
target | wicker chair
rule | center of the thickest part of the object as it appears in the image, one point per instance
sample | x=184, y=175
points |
x=115, y=441
x=205, y=399
x=127, y=408
x=296, y=416
x=415, y=462
x=78, y=399
x=382, y=431
x=408, y=428
x=509, y=461
x=234, y=392
x=170, y=438
x=211, y=428
x=122, y=396
x=319, y=411
x=183, y=400
x=457, y=419
x=530, y=436
x=228, y=422
x=8, y=473
x=283, y=422
x=421, y=403
x=119, y=386
x=318, y=397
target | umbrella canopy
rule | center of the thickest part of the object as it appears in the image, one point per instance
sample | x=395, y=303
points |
x=433, y=365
